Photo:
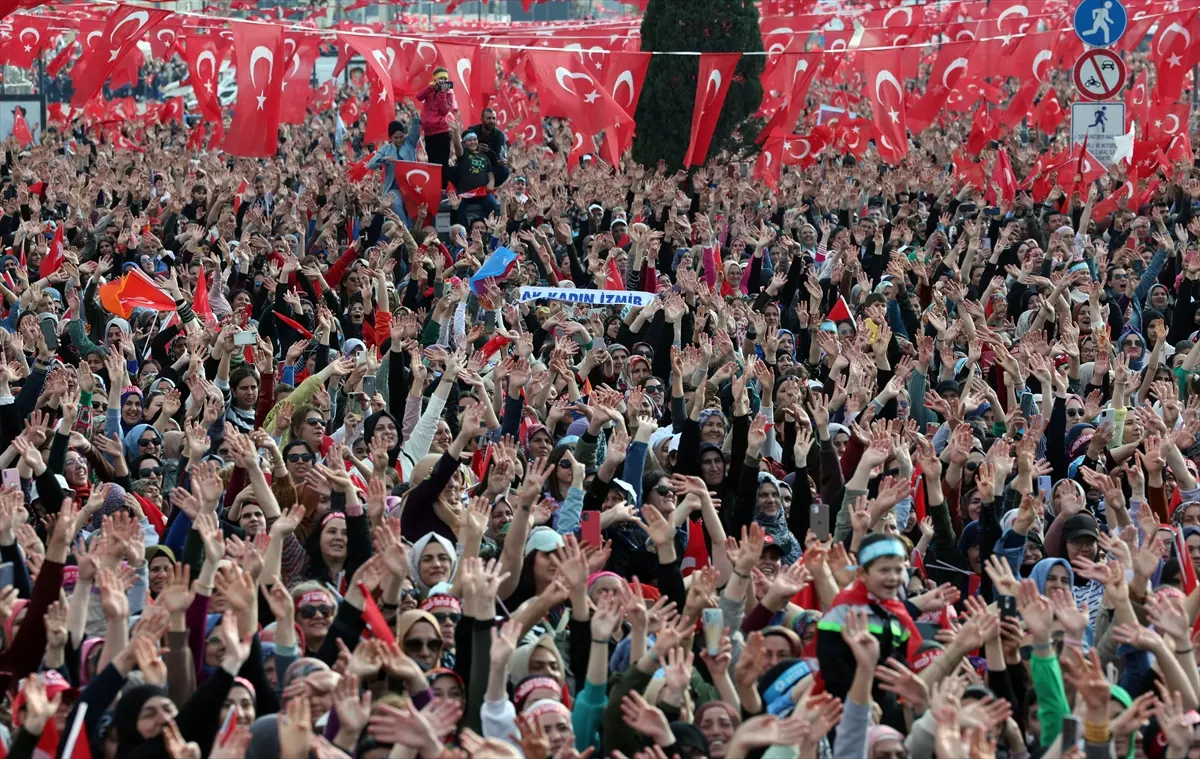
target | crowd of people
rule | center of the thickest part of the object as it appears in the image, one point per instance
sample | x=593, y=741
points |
x=881, y=470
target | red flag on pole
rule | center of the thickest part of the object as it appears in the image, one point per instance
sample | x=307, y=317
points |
x=296, y=87
x=254, y=132
x=204, y=62
x=382, y=109
x=1003, y=175
x=30, y=35
x=565, y=89
x=419, y=183
x=53, y=260
x=885, y=74
x=612, y=276
x=1049, y=113
x=712, y=85
x=125, y=27
x=769, y=166
x=20, y=128
x=374, y=617
x=200, y=303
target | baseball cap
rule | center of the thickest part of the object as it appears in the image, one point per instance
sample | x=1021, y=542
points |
x=1080, y=526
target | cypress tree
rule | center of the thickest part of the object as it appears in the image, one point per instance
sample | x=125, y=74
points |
x=664, y=112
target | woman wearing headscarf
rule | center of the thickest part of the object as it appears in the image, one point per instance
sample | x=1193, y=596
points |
x=144, y=710
x=432, y=561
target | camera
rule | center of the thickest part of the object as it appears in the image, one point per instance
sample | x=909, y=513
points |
x=446, y=84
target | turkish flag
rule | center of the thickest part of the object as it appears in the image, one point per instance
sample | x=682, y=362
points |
x=344, y=55
x=1018, y=107
x=1126, y=194
x=1049, y=113
x=1173, y=52
x=581, y=145
x=792, y=76
x=382, y=109
x=800, y=150
x=350, y=111
x=134, y=290
x=254, y=132
x=163, y=40
x=1003, y=176
x=172, y=110
x=196, y=138
x=531, y=130
x=885, y=73
x=1034, y=57
x=853, y=136
x=20, y=128
x=462, y=63
x=983, y=130
x=125, y=27
x=53, y=260
x=57, y=63
x=322, y=97
x=769, y=165
x=1137, y=100
x=200, y=302
x=419, y=183
x=953, y=61
x=204, y=63
x=121, y=142
x=624, y=73
x=712, y=85
x=127, y=69
x=566, y=90
x=1167, y=119
x=1180, y=150
x=424, y=59
x=967, y=171
x=301, y=49
x=30, y=35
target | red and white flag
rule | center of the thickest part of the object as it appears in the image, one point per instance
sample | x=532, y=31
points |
x=1004, y=177
x=565, y=89
x=1173, y=51
x=381, y=111
x=769, y=165
x=20, y=128
x=462, y=64
x=885, y=75
x=163, y=40
x=259, y=53
x=419, y=183
x=350, y=111
x=125, y=27
x=1049, y=113
x=712, y=85
x=301, y=50
x=204, y=63
x=624, y=73
x=30, y=35
x=53, y=260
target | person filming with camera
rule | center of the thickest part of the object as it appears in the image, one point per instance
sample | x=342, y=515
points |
x=437, y=103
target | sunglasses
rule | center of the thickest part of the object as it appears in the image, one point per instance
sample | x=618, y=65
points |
x=1074, y=412
x=296, y=458
x=653, y=388
x=413, y=646
x=147, y=443
x=448, y=617
x=662, y=489
x=563, y=463
x=412, y=594
x=99, y=406
x=155, y=472
x=315, y=422
x=1131, y=343
x=310, y=611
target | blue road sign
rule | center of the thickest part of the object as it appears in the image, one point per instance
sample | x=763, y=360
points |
x=1100, y=23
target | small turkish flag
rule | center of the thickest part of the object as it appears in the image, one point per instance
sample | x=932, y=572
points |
x=1003, y=175
x=296, y=87
x=769, y=165
x=350, y=111
x=382, y=108
x=125, y=27
x=254, y=132
x=612, y=276
x=885, y=73
x=712, y=85
x=53, y=260
x=841, y=313
x=196, y=138
x=419, y=183
x=1049, y=113
x=566, y=89
x=20, y=128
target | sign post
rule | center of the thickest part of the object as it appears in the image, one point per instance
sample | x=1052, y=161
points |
x=1100, y=23
x=1099, y=74
x=1102, y=125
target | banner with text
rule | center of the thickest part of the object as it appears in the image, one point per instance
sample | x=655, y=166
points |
x=587, y=297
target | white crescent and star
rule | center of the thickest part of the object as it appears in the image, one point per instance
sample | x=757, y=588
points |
x=37, y=37
x=957, y=63
x=1174, y=124
x=464, y=73
x=261, y=53
x=714, y=78
x=890, y=78
x=418, y=172
x=1042, y=57
x=775, y=46
x=905, y=9
x=562, y=74
x=141, y=18
x=626, y=78
x=206, y=55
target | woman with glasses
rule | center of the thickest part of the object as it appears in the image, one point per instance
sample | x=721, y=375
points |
x=420, y=638
x=447, y=610
x=315, y=606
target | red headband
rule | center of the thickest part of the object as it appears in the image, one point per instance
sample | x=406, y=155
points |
x=312, y=597
x=533, y=683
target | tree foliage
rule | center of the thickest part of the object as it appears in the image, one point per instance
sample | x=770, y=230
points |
x=664, y=113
